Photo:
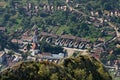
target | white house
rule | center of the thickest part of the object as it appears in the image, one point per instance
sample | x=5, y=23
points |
x=58, y=56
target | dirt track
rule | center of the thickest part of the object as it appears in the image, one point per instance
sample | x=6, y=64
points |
x=72, y=50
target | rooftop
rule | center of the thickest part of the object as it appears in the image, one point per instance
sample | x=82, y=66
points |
x=82, y=39
x=49, y=34
x=16, y=41
x=1, y=54
x=68, y=37
x=46, y=54
x=2, y=28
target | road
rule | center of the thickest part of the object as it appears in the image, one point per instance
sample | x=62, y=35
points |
x=115, y=28
x=80, y=12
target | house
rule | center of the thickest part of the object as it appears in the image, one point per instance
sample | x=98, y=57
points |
x=110, y=33
x=17, y=41
x=96, y=13
x=76, y=44
x=2, y=57
x=65, y=8
x=31, y=58
x=66, y=43
x=116, y=13
x=48, y=35
x=50, y=56
x=111, y=13
x=16, y=5
x=48, y=40
x=26, y=39
x=27, y=33
x=35, y=38
x=106, y=13
x=68, y=37
x=48, y=7
x=100, y=19
x=15, y=59
x=2, y=29
x=36, y=9
x=78, y=39
x=71, y=44
x=57, y=42
x=117, y=68
x=58, y=7
x=118, y=38
x=45, y=55
x=64, y=40
x=98, y=25
x=81, y=45
x=71, y=9
x=100, y=40
x=92, y=19
x=97, y=56
x=98, y=50
x=67, y=1
x=58, y=56
x=45, y=7
x=92, y=13
x=35, y=49
x=29, y=6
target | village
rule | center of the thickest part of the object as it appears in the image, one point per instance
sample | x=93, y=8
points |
x=69, y=43
x=33, y=40
x=28, y=42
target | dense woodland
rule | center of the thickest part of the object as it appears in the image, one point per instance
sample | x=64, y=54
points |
x=79, y=68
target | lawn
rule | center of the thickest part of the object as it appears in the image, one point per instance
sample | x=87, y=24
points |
x=62, y=29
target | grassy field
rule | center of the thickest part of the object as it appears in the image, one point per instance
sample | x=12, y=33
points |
x=62, y=29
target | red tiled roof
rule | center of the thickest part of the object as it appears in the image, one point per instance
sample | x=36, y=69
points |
x=46, y=54
x=44, y=33
x=82, y=39
x=101, y=39
x=68, y=37
x=16, y=41
x=53, y=35
x=27, y=33
x=26, y=37
x=65, y=37
x=117, y=61
x=95, y=55
x=49, y=34
x=34, y=46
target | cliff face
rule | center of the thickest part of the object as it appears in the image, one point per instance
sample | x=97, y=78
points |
x=79, y=68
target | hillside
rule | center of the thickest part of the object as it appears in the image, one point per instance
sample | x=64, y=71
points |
x=59, y=16
x=79, y=68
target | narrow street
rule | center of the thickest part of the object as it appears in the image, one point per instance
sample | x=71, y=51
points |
x=71, y=8
x=115, y=28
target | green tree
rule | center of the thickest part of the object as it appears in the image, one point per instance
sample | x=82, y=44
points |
x=54, y=76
